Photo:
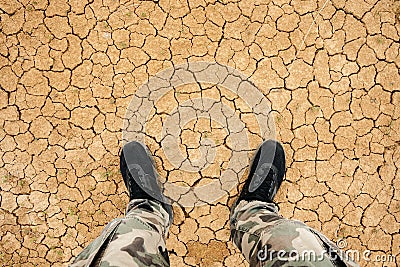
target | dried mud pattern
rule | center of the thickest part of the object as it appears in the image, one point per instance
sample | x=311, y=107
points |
x=201, y=119
x=69, y=69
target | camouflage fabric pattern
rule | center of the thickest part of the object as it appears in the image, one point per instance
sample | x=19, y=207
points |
x=267, y=239
x=136, y=240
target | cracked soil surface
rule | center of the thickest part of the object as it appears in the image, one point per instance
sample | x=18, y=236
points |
x=68, y=70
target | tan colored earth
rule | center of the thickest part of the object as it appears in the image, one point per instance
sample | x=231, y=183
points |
x=68, y=70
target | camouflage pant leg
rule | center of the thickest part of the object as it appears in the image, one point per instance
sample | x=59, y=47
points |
x=136, y=240
x=267, y=239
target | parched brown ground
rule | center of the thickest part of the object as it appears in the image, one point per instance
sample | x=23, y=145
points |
x=68, y=70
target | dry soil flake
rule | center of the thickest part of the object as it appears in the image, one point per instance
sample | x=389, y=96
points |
x=41, y=128
x=83, y=117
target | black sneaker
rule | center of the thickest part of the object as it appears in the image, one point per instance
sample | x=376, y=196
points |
x=266, y=173
x=140, y=176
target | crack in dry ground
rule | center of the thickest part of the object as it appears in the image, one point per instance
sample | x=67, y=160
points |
x=68, y=70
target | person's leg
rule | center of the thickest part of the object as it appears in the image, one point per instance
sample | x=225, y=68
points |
x=138, y=239
x=264, y=237
x=267, y=239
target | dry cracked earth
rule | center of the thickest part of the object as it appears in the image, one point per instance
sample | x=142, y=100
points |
x=69, y=69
